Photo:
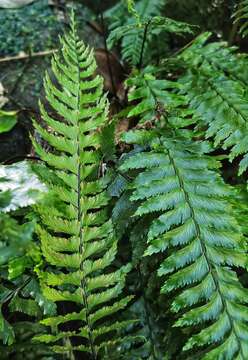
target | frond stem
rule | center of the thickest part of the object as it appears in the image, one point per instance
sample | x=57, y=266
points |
x=143, y=44
x=83, y=280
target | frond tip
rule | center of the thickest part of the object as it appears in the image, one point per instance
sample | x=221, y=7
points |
x=77, y=239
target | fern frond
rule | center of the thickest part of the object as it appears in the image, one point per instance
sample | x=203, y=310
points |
x=241, y=15
x=77, y=239
x=26, y=306
x=132, y=34
x=117, y=14
x=156, y=98
x=142, y=8
x=194, y=228
x=215, y=87
x=146, y=8
x=219, y=56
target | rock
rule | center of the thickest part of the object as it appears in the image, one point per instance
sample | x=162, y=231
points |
x=12, y=4
x=14, y=143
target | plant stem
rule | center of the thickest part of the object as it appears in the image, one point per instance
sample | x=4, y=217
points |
x=143, y=45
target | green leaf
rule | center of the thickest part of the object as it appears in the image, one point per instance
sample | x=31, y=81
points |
x=8, y=120
x=17, y=266
x=26, y=306
x=6, y=331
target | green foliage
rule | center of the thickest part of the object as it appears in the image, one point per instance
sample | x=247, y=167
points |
x=19, y=290
x=77, y=239
x=200, y=239
x=241, y=14
x=158, y=100
x=138, y=31
x=215, y=85
x=8, y=120
x=150, y=212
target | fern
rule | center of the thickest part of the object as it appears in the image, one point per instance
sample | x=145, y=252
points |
x=241, y=15
x=200, y=239
x=137, y=31
x=142, y=9
x=219, y=56
x=77, y=239
x=117, y=14
x=217, y=93
x=154, y=100
x=136, y=35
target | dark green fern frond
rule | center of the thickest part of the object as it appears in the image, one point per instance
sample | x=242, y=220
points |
x=137, y=31
x=241, y=15
x=201, y=241
x=77, y=237
x=136, y=35
x=215, y=86
x=146, y=8
x=157, y=99
x=219, y=56
x=222, y=105
x=117, y=14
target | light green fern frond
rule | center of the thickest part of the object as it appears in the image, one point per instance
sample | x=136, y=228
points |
x=201, y=241
x=77, y=238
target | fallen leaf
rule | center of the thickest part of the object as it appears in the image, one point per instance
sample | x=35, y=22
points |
x=107, y=64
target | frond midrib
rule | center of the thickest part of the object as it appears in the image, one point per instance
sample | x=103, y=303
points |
x=80, y=215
